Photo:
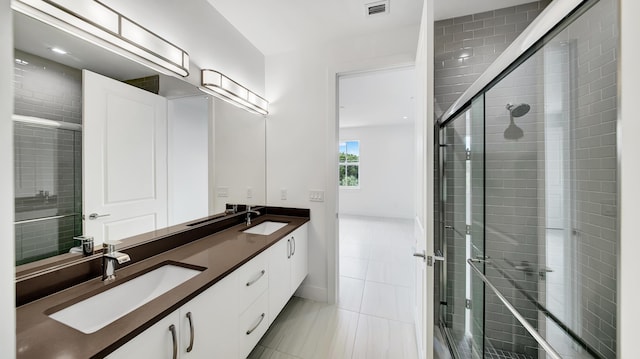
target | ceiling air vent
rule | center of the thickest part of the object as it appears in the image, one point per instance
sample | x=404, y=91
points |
x=378, y=7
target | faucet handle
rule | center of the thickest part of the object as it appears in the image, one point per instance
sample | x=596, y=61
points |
x=110, y=245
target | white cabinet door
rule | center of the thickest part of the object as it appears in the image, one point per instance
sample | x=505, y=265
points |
x=299, y=256
x=208, y=323
x=124, y=159
x=279, y=278
x=155, y=342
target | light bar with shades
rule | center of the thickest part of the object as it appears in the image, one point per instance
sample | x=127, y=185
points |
x=98, y=24
x=219, y=85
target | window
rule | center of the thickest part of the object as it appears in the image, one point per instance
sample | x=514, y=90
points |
x=349, y=171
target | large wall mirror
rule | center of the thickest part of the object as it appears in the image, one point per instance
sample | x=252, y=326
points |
x=215, y=152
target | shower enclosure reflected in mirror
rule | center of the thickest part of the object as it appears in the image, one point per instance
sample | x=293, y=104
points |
x=203, y=137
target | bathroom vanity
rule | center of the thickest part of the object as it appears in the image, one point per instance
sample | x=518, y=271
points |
x=239, y=278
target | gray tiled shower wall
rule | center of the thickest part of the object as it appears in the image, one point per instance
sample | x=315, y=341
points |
x=576, y=71
x=479, y=39
x=47, y=160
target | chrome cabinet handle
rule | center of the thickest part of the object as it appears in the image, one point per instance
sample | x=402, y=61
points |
x=288, y=248
x=421, y=255
x=262, y=272
x=93, y=216
x=293, y=240
x=172, y=329
x=192, y=331
x=257, y=324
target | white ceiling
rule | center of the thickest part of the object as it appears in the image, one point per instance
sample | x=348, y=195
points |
x=276, y=26
x=377, y=98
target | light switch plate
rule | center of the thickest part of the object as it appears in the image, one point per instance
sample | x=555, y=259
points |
x=249, y=192
x=316, y=195
x=283, y=194
x=222, y=191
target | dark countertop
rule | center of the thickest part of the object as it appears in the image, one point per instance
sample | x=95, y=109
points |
x=39, y=336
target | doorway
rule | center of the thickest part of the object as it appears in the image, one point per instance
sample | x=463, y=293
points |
x=376, y=203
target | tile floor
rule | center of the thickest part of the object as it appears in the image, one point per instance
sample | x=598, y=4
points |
x=373, y=318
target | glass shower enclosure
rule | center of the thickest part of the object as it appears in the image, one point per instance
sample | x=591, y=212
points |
x=527, y=201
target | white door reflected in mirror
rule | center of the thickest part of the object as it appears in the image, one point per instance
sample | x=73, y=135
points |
x=124, y=159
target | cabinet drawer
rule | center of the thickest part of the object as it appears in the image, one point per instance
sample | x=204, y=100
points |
x=253, y=280
x=253, y=324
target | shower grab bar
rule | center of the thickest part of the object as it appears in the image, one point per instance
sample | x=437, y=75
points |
x=46, y=218
x=534, y=333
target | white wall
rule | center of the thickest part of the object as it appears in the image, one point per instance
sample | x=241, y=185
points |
x=629, y=147
x=7, y=252
x=239, y=156
x=188, y=167
x=302, y=144
x=387, y=172
x=211, y=41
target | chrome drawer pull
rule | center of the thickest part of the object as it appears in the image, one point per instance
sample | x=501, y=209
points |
x=190, y=347
x=257, y=325
x=172, y=329
x=293, y=241
x=262, y=272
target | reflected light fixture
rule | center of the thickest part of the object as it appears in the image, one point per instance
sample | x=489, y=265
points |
x=58, y=50
x=219, y=85
x=100, y=25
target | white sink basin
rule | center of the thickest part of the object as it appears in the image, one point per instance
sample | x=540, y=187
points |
x=98, y=311
x=265, y=228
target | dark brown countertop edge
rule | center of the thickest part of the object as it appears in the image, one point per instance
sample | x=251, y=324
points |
x=169, y=305
x=34, y=284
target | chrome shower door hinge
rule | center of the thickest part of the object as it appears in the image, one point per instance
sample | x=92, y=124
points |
x=430, y=261
x=467, y=303
x=468, y=154
x=468, y=230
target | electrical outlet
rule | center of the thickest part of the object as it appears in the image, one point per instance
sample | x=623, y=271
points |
x=316, y=195
x=249, y=192
x=283, y=194
x=222, y=191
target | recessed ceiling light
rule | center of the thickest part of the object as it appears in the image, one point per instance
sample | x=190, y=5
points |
x=58, y=50
x=404, y=117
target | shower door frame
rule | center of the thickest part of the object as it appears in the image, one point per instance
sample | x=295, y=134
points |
x=525, y=46
x=470, y=144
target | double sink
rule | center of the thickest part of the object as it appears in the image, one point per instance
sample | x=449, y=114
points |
x=99, y=310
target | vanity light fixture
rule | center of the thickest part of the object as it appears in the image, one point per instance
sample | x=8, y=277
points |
x=219, y=85
x=94, y=22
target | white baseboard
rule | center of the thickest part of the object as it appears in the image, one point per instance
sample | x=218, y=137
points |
x=318, y=294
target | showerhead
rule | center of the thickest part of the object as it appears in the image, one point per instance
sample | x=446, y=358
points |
x=518, y=110
x=514, y=132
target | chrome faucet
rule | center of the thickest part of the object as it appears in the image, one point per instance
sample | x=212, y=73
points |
x=110, y=258
x=249, y=211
